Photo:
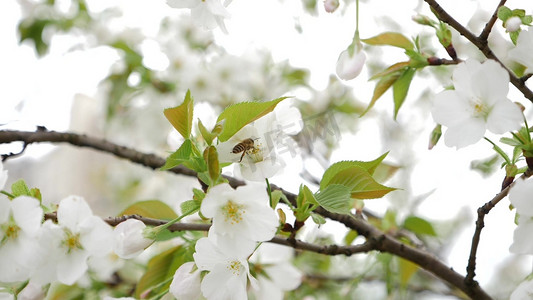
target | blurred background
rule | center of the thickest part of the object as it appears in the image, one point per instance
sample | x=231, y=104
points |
x=108, y=69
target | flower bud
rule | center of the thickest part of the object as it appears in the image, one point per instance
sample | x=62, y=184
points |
x=129, y=239
x=331, y=5
x=435, y=136
x=186, y=282
x=349, y=67
x=513, y=24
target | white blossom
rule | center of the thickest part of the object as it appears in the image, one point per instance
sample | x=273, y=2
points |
x=524, y=291
x=20, y=220
x=243, y=213
x=205, y=13
x=272, y=140
x=32, y=291
x=77, y=236
x=522, y=52
x=350, y=66
x=186, y=283
x=277, y=274
x=479, y=102
x=520, y=197
x=128, y=240
x=228, y=270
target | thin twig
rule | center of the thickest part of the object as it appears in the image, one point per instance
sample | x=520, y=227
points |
x=296, y=244
x=481, y=44
x=481, y=212
x=488, y=27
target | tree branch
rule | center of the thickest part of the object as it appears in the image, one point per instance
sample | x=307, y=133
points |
x=376, y=239
x=296, y=244
x=481, y=44
x=81, y=140
x=488, y=27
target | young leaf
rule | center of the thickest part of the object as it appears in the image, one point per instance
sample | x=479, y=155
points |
x=419, y=226
x=392, y=39
x=239, y=115
x=154, y=209
x=407, y=270
x=335, y=198
x=381, y=87
x=350, y=237
x=400, y=89
x=183, y=154
x=208, y=137
x=369, y=166
x=181, y=116
x=19, y=188
x=361, y=183
x=318, y=219
x=190, y=206
x=160, y=268
x=391, y=69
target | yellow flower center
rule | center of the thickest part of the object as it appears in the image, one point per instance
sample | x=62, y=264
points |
x=481, y=110
x=233, y=212
x=72, y=241
x=11, y=230
x=235, y=267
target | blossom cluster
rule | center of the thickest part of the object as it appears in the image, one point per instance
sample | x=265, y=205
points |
x=65, y=249
x=46, y=252
x=241, y=218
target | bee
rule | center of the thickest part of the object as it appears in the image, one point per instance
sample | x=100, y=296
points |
x=243, y=147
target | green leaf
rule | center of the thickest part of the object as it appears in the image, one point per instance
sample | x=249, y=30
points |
x=318, y=219
x=165, y=235
x=400, y=89
x=190, y=206
x=407, y=270
x=305, y=196
x=206, y=134
x=160, y=268
x=361, y=183
x=198, y=195
x=277, y=195
x=186, y=155
x=392, y=39
x=419, y=226
x=335, y=198
x=369, y=166
x=239, y=115
x=384, y=171
x=19, y=188
x=397, y=67
x=504, y=13
x=350, y=237
x=381, y=87
x=154, y=209
x=181, y=116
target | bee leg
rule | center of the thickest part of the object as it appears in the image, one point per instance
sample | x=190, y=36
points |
x=242, y=156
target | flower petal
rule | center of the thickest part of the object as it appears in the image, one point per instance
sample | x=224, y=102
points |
x=505, y=116
x=73, y=210
x=467, y=133
x=27, y=213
